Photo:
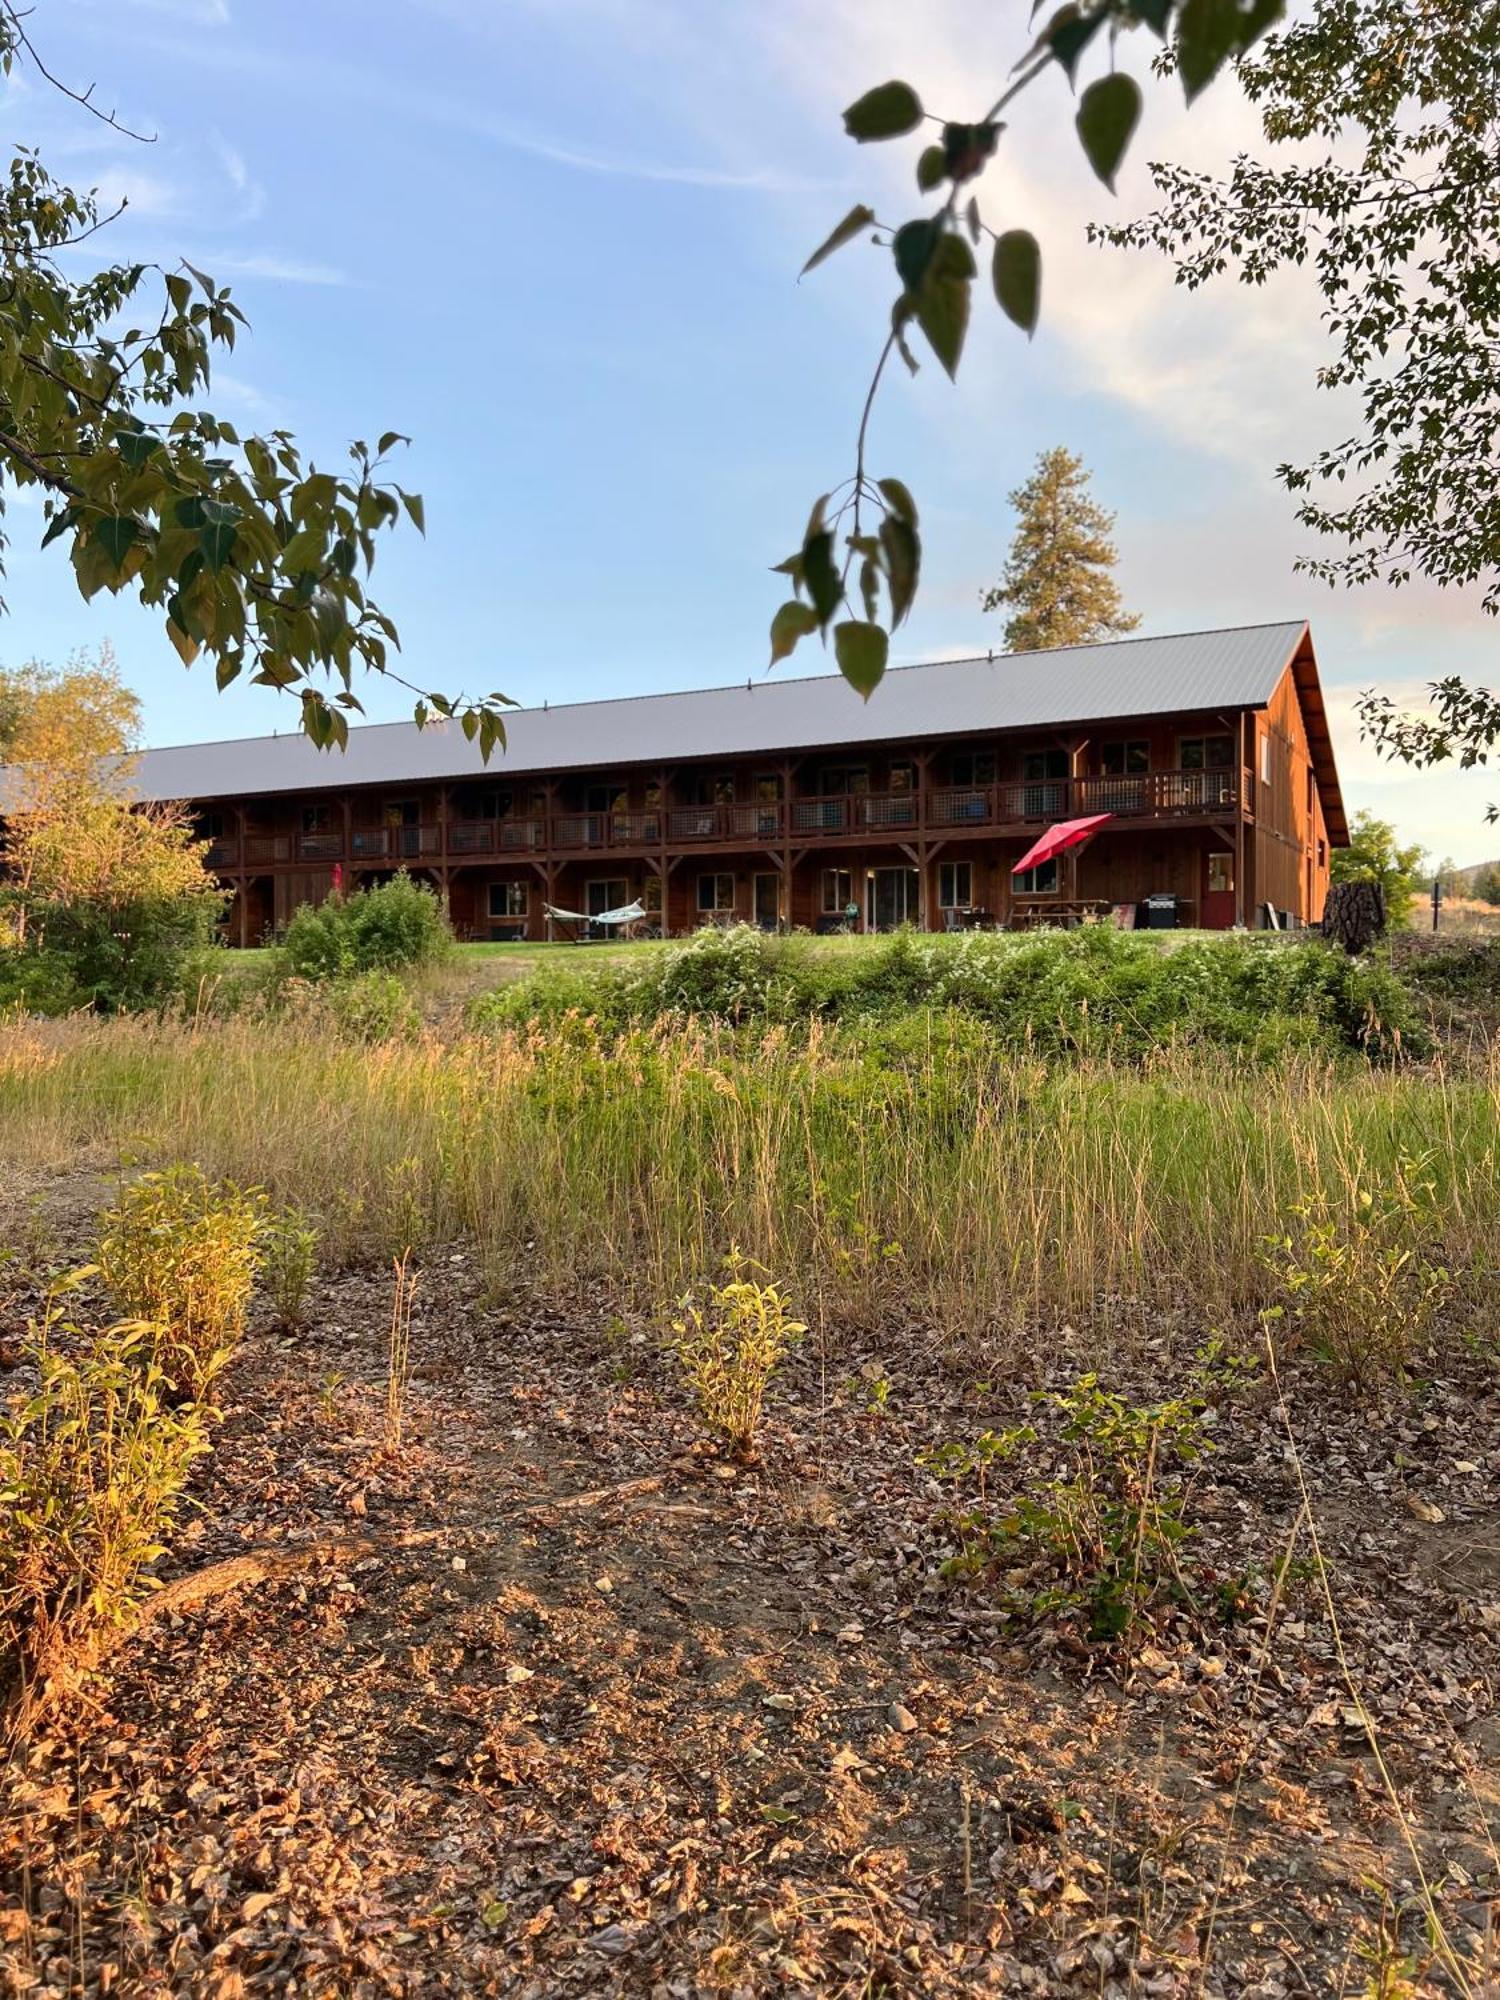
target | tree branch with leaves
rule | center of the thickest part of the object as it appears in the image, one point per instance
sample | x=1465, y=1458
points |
x=861, y=549
x=258, y=558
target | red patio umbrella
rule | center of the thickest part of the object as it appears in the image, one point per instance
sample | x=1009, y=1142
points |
x=1058, y=839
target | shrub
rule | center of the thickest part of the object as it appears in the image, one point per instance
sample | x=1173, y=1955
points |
x=93, y=1461
x=1093, y=991
x=1359, y=1279
x=289, y=1247
x=400, y=922
x=181, y=1252
x=124, y=956
x=730, y=1351
x=1103, y=1542
x=373, y=1006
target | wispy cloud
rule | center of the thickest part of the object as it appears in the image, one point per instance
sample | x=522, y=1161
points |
x=758, y=181
x=276, y=270
x=250, y=195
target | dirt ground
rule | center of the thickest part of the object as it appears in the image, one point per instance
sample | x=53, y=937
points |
x=580, y=1707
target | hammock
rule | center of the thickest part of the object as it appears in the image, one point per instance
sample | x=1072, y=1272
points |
x=628, y=913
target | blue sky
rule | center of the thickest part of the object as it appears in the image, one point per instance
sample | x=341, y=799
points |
x=556, y=241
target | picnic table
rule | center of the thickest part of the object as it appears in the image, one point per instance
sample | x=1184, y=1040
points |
x=1062, y=911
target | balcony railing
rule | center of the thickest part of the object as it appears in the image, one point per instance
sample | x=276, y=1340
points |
x=940, y=810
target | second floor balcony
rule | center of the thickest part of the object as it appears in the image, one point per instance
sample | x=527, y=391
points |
x=934, y=811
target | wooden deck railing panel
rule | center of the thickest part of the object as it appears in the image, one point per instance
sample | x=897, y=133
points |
x=944, y=810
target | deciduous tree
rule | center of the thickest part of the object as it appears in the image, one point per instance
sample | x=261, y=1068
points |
x=1375, y=854
x=256, y=556
x=1399, y=220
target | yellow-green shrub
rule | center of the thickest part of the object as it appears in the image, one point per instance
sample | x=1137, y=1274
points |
x=730, y=1351
x=181, y=1252
x=95, y=1452
x=1361, y=1273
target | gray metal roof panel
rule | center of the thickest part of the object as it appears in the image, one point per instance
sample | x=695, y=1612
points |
x=1238, y=668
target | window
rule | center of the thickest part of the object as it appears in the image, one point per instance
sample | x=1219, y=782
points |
x=768, y=787
x=1125, y=760
x=472, y=804
x=1040, y=881
x=210, y=825
x=402, y=812
x=955, y=885
x=605, y=892
x=1265, y=758
x=715, y=893
x=971, y=767
x=1039, y=764
x=903, y=778
x=1220, y=874
x=838, y=891
x=651, y=895
x=509, y=899
x=715, y=789
x=315, y=819
x=1207, y=753
x=840, y=781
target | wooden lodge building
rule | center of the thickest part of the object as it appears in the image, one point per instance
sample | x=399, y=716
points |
x=789, y=801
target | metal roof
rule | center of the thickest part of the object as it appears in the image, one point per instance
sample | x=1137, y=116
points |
x=1124, y=678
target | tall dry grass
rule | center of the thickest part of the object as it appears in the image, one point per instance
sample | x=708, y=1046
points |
x=945, y=1188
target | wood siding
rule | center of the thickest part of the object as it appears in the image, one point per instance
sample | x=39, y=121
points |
x=979, y=800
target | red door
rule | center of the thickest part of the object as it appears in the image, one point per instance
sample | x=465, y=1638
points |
x=1218, y=890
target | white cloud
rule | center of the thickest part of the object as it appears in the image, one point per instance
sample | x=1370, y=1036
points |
x=276, y=269
x=251, y=196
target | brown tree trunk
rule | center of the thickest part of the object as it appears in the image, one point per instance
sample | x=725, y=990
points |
x=1354, y=915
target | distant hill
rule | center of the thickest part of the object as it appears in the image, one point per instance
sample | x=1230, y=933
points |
x=1461, y=881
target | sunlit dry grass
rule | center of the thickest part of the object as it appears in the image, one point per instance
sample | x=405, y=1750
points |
x=948, y=1189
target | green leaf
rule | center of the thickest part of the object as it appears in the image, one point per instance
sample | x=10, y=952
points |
x=898, y=498
x=179, y=291
x=913, y=246
x=887, y=112
x=60, y=523
x=417, y=513
x=217, y=541
x=820, y=574
x=116, y=534
x=793, y=621
x=136, y=446
x=861, y=649
x=903, y=556
x=1017, y=271
x=943, y=301
x=1209, y=32
x=966, y=149
x=932, y=167
x=1109, y=112
x=1070, y=32
x=854, y=224
x=227, y=670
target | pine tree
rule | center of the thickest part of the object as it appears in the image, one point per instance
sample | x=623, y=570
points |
x=1059, y=576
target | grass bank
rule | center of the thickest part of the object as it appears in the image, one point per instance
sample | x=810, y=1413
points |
x=919, y=1179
